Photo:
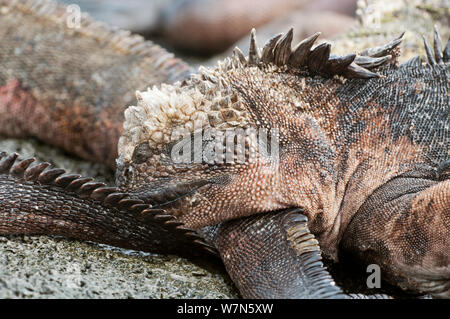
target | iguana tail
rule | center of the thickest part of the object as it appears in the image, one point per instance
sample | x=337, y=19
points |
x=36, y=200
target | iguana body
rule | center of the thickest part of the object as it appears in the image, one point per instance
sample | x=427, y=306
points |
x=364, y=159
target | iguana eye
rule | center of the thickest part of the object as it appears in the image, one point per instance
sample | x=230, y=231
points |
x=141, y=153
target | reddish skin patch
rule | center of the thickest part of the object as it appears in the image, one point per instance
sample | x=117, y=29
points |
x=75, y=128
x=13, y=101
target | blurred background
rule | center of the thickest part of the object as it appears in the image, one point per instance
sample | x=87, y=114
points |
x=199, y=29
x=203, y=31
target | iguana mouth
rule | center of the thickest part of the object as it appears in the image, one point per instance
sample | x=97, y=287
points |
x=167, y=196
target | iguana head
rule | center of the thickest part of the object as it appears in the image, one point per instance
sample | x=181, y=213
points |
x=235, y=140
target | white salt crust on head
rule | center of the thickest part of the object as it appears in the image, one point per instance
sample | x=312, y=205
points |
x=165, y=114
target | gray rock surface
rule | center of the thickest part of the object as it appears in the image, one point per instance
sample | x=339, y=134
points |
x=43, y=267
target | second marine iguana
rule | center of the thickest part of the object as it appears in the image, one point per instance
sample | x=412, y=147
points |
x=363, y=154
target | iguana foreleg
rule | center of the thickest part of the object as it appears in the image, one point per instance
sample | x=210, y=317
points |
x=404, y=227
x=273, y=256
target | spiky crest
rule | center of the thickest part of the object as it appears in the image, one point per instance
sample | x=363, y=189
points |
x=435, y=55
x=278, y=51
x=206, y=99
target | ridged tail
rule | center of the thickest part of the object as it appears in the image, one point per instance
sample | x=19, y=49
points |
x=41, y=201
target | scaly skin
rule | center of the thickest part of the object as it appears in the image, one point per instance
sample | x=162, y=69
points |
x=340, y=142
x=363, y=154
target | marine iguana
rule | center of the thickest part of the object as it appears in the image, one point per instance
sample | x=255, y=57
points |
x=363, y=153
